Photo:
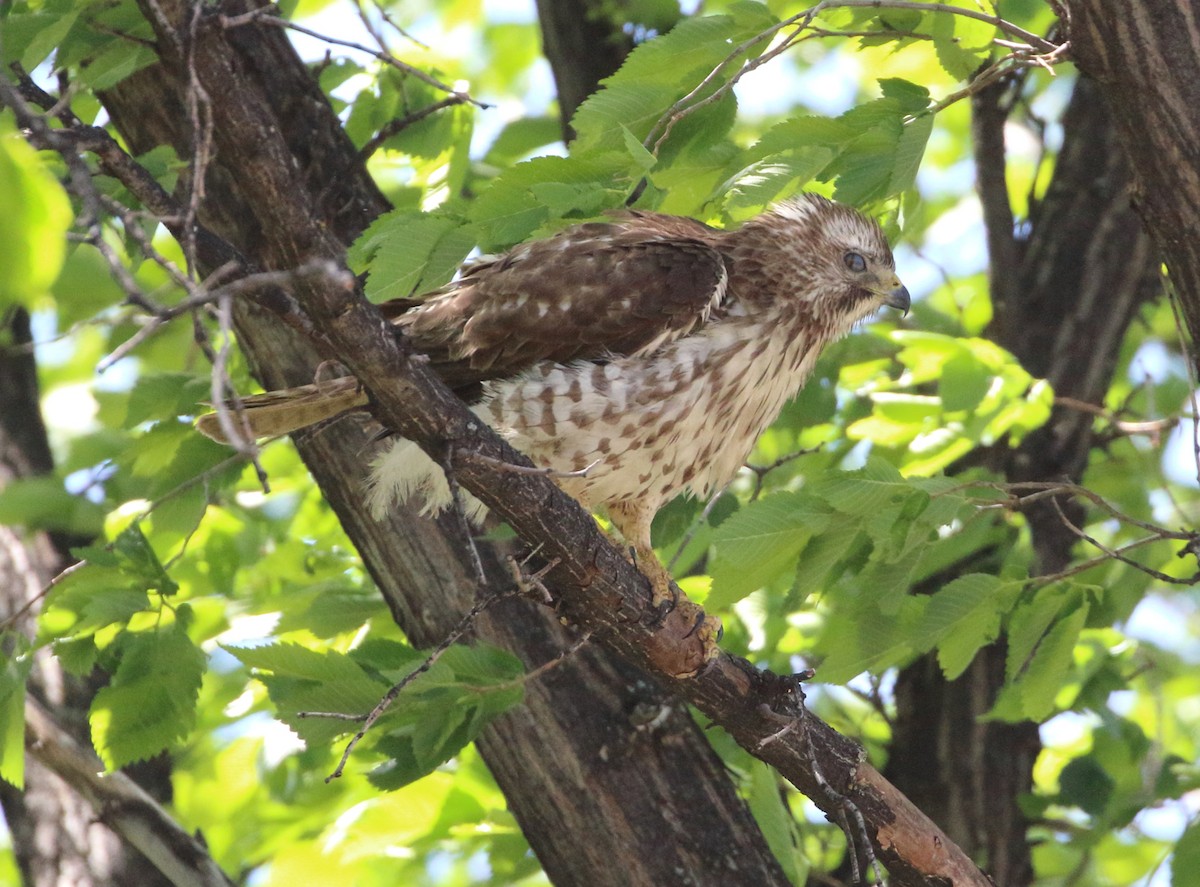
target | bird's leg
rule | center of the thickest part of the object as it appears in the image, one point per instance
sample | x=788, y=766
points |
x=632, y=521
x=675, y=613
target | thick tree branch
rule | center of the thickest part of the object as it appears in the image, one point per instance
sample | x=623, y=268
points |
x=1146, y=58
x=121, y=804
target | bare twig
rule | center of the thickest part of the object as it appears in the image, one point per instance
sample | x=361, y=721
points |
x=269, y=16
x=11, y=619
x=390, y=696
x=529, y=469
x=401, y=123
x=1117, y=555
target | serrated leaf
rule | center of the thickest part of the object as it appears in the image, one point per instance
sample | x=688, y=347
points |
x=660, y=71
x=909, y=150
x=962, y=617
x=760, y=542
x=410, y=253
x=446, y=708
x=866, y=491
x=1029, y=622
x=865, y=640
x=78, y=656
x=151, y=701
x=139, y=560
x=14, y=673
x=959, y=54
x=93, y=597
x=1051, y=663
x=295, y=661
x=820, y=556
x=509, y=210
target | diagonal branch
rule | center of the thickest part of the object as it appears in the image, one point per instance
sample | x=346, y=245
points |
x=121, y=804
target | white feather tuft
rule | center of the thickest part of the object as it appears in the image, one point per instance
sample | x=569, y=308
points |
x=402, y=472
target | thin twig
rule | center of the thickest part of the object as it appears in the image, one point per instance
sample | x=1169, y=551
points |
x=531, y=470
x=270, y=16
x=1116, y=555
x=390, y=696
x=11, y=620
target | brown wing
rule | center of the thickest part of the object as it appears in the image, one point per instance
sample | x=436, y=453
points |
x=598, y=289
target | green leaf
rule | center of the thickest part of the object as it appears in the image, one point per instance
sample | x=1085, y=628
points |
x=1185, y=861
x=909, y=151
x=410, y=252
x=444, y=709
x=510, y=210
x=1085, y=784
x=637, y=151
x=960, y=44
x=164, y=396
x=118, y=60
x=962, y=617
x=31, y=37
x=44, y=503
x=151, y=702
x=661, y=71
x=863, y=639
x=14, y=672
x=760, y=542
x=521, y=138
x=1050, y=665
x=866, y=491
x=821, y=555
x=33, y=225
x=302, y=680
x=773, y=817
x=138, y=559
x=964, y=382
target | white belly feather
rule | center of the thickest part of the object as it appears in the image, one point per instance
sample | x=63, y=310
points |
x=650, y=427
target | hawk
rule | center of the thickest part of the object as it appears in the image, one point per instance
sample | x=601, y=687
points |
x=637, y=358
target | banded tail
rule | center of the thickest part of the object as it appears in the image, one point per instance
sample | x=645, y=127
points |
x=290, y=409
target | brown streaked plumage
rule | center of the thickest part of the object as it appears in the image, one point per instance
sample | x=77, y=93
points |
x=651, y=347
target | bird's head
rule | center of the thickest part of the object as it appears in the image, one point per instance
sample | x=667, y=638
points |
x=838, y=260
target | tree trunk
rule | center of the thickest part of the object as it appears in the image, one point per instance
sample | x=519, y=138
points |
x=1146, y=58
x=286, y=186
x=1063, y=298
x=583, y=46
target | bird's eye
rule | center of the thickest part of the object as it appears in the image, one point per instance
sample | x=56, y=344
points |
x=855, y=262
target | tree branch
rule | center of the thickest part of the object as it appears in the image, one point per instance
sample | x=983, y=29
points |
x=121, y=804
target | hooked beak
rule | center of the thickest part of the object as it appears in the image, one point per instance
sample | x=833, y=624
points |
x=898, y=298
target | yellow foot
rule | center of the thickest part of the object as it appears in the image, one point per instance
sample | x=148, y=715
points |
x=686, y=640
x=690, y=635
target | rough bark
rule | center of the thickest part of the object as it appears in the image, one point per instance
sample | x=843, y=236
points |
x=55, y=835
x=1063, y=296
x=1146, y=58
x=286, y=186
